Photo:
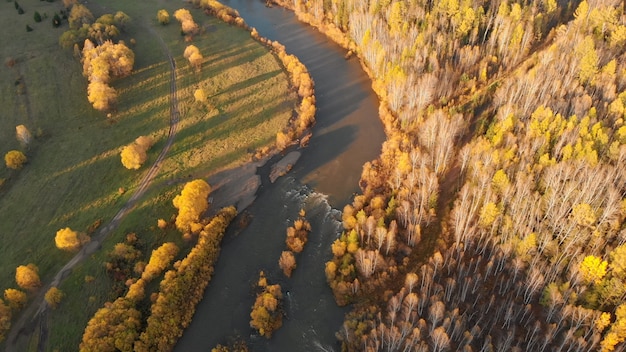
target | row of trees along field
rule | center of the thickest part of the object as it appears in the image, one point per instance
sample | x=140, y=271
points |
x=298, y=73
x=127, y=324
x=494, y=218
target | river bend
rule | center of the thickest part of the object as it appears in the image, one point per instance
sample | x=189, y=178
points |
x=347, y=133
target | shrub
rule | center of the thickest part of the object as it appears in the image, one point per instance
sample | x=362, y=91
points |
x=68, y=240
x=37, y=17
x=53, y=297
x=163, y=17
x=27, y=276
x=15, y=159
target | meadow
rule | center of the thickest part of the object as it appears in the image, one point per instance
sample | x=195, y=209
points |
x=74, y=177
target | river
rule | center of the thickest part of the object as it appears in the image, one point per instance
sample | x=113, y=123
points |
x=347, y=133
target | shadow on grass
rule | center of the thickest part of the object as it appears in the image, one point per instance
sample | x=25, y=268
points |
x=220, y=127
x=245, y=84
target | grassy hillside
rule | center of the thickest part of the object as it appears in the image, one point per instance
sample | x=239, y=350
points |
x=74, y=176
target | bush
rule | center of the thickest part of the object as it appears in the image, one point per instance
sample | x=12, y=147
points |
x=15, y=159
x=68, y=240
x=37, y=17
x=163, y=17
x=53, y=297
x=28, y=28
x=20, y=10
x=27, y=276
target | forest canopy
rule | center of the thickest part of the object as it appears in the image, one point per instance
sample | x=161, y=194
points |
x=499, y=198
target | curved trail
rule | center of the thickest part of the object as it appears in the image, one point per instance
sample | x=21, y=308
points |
x=38, y=307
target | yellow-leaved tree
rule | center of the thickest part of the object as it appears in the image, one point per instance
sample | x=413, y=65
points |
x=191, y=203
x=53, y=297
x=188, y=25
x=5, y=319
x=592, y=269
x=69, y=240
x=101, y=95
x=163, y=17
x=135, y=154
x=15, y=298
x=193, y=55
x=15, y=159
x=159, y=260
x=266, y=316
x=27, y=276
x=617, y=332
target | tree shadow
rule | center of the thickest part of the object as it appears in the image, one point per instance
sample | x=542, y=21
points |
x=325, y=148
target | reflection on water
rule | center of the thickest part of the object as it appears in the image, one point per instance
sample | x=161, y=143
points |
x=347, y=134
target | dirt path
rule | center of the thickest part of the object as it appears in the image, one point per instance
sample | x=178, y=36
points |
x=32, y=314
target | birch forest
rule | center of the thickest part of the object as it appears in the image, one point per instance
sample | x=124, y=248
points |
x=494, y=218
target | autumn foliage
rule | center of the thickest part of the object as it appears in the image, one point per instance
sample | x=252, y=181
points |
x=69, y=240
x=163, y=17
x=287, y=262
x=115, y=327
x=266, y=316
x=188, y=25
x=53, y=297
x=102, y=63
x=193, y=55
x=191, y=203
x=297, y=235
x=160, y=259
x=15, y=159
x=5, y=319
x=135, y=154
x=182, y=288
x=498, y=198
x=16, y=299
x=118, y=324
x=27, y=277
x=298, y=74
x=23, y=135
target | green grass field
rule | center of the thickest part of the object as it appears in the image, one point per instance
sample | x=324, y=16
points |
x=74, y=173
